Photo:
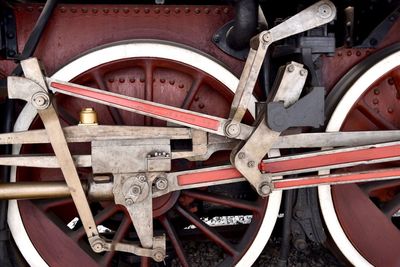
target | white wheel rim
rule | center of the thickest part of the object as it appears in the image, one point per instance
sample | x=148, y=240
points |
x=335, y=123
x=154, y=49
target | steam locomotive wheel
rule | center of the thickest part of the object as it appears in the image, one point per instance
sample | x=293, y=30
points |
x=362, y=217
x=44, y=230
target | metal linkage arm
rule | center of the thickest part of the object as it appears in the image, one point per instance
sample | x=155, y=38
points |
x=316, y=15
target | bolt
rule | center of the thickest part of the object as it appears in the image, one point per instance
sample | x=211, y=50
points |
x=121, y=80
x=251, y=164
x=377, y=91
x=156, y=10
x=84, y=10
x=241, y=155
x=161, y=183
x=232, y=130
x=324, y=11
x=303, y=72
x=125, y=10
x=349, y=53
x=167, y=10
x=266, y=37
x=197, y=10
x=390, y=81
x=290, y=68
x=95, y=10
x=375, y=101
x=390, y=110
x=129, y=201
x=97, y=246
x=158, y=256
x=217, y=38
x=265, y=189
x=142, y=178
x=40, y=100
x=115, y=10
x=106, y=10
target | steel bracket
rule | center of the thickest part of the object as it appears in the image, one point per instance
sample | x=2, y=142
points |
x=307, y=111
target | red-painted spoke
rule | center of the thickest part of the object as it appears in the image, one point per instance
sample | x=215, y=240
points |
x=176, y=242
x=148, y=93
x=99, y=218
x=222, y=200
x=119, y=235
x=65, y=115
x=211, y=233
x=372, y=186
x=57, y=242
x=145, y=262
x=47, y=204
x=194, y=88
x=375, y=118
x=115, y=115
x=392, y=206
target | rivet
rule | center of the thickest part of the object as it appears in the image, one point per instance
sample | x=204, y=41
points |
x=226, y=10
x=217, y=11
x=177, y=10
x=40, y=8
x=390, y=81
x=142, y=80
x=146, y=10
x=115, y=10
x=207, y=10
x=172, y=82
x=290, y=68
x=73, y=10
x=95, y=10
x=181, y=86
x=251, y=164
x=136, y=10
x=63, y=9
x=340, y=53
x=241, y=155
x=390, y=110
x=156, y=10
x=121, y=80
x=84, y=10
x=201, y=105
x=167, y=10
x=349, y=53
x=197, y=10
x=125, y=10
x=111, y=80
x=377, y=91
x=106, y=10
x=162, y=80
x=375, y=101
x=196, y=98
x=29, y=8
x=358, y=53
x=187, y=10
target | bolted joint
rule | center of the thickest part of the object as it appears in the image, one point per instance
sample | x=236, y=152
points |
x=266, y=37
x=232, y=129
x=325, y=11
x=290, y=68
x=265, y=189
x=129, y=201
x=161, y=183
x=40, y=100
x=158, y=255
x=97, y=244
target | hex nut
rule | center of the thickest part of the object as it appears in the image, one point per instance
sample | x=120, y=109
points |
x=265, y=189
x=129, y=201
x=232, y=129
x=251, y=164
x=161, y=183
x=158, y=256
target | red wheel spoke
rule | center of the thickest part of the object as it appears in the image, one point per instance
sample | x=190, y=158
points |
x=211, y=233
x=98, y=218
x=372, y=186
x=222, y=200
x=119, y=235
x=391, y=207
x=194, y=88
x=47, y=204
x=57, y=242
x=173, y=237
x=145, y=262
x=115, y=115
x=375, y=118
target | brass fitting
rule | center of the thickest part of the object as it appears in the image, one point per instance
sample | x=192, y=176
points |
x=88, y=116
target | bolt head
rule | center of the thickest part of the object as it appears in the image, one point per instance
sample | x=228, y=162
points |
x=324, y=11
x=161, y=183
x=251, y=164
x=97, y=246
x=135, y=190
x=266, y=37
x=40, y=100
x=158, y=256
x=129, y=201
x=265, y=189
x=241, y=155
x=142, y=178
x=303, y=72
x=290, y=68
x=232, y=129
